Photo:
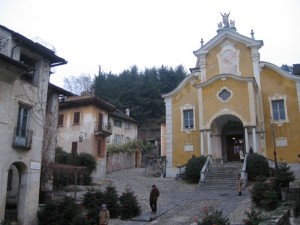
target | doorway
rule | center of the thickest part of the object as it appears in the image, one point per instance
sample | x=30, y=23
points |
x=235, y=143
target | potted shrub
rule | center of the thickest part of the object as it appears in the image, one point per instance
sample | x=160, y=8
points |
x=284, y=175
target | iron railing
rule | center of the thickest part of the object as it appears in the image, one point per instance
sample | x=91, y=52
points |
x=103, y=128
x=22, y=138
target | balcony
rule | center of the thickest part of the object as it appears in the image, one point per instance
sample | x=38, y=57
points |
x=102, y=128
x=22, y=139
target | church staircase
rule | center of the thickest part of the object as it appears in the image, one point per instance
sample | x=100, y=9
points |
x=221, y=176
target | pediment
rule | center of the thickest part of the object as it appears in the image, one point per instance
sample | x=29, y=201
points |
x=231, y=35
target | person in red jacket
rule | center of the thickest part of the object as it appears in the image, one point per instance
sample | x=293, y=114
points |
x=153, y=198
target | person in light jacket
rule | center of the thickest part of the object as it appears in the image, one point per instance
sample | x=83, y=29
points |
x=103, y=215
x=239, y=183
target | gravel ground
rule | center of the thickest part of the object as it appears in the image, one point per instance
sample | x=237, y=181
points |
x=184, y=211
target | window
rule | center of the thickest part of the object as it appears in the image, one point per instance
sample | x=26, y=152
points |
x=224, y=94
x=22, y=125
x=127, y=140
x=118, y=139
x=100, y=149
x=127, y=125
x=60, y=120
x=278, y=110
x=76, y=118
x=74, y=148
x=117, y=123
x=188, y=118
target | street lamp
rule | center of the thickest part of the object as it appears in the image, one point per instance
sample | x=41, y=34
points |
x=262, y=135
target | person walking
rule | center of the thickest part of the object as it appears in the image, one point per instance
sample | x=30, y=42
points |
x=239, y=183
x=104, y=215
x=154, y=194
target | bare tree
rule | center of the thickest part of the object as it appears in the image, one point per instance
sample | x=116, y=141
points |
x=79, y=84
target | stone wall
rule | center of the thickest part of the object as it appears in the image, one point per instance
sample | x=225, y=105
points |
x=119, y=161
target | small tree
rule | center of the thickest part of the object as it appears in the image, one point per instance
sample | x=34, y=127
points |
x=193, y=168
x=92, y=201
x=210, y=215
x=257, y=165
x=129, y=206
x=254, y=217
x=61, y=213
x=284, y=175
x=111, y=198
x=264, y=193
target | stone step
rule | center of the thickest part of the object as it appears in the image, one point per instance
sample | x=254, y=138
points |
x=221, y=176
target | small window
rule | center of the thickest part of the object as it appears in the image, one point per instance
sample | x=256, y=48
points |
x=60, y=120
x=74, y=148
x=127, y=125
x=118, y=139
x=278, y=110
x=127, y=140
x=117, y=123
x=188, y=119
x=76, y=118
x=23, y=121
x=100, y=149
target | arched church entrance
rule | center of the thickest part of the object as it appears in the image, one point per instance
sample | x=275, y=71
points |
x=14, y=194
x=231, y=137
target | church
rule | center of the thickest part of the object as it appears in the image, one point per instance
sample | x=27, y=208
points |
x=232, y=101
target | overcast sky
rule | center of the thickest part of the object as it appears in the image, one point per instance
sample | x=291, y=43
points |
x=117, y=34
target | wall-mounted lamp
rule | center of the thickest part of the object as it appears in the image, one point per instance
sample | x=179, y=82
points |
x=262, y=133
x=81, y=136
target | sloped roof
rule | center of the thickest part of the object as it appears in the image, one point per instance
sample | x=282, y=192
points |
x=36, y=47
x=84, y=100
x=59, y=90
x=228, y=33
x=121, y=115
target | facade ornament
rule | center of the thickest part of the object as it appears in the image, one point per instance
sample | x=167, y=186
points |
x=225, y=19
x=226, y=23
x=252, y=34
x=202, y=42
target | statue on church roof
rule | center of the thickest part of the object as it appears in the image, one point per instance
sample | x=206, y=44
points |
x=225, y=19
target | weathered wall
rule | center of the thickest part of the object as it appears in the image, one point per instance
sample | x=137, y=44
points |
x=120, y=161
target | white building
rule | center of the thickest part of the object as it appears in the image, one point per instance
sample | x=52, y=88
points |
x=25, y=68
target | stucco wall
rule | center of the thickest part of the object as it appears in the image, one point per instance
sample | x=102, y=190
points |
x=120, y=161
x=275, y=84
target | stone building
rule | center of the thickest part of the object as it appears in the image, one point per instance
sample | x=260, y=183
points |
x=83, y=127
x=25, y=68
x=232, y=101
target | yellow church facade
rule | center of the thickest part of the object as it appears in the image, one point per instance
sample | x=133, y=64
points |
x=232, y=101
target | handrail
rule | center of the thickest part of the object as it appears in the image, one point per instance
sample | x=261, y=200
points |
x=244, y=174
x=205, y=168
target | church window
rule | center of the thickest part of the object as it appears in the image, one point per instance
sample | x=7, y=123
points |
x=224, y=94
x=188, y=117
x=278, y=109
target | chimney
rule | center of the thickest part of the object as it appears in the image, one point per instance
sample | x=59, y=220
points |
x=296, y=69
x=127, y=112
